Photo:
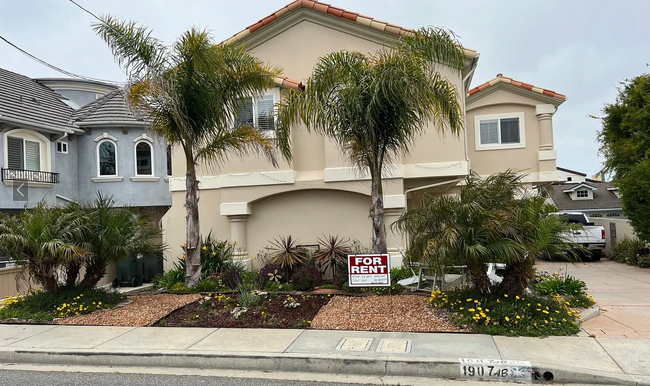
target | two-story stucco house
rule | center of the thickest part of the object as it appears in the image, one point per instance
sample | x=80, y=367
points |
x=66, y=139
x=508, y=125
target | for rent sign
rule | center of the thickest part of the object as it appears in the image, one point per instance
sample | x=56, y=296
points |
x=369, y=270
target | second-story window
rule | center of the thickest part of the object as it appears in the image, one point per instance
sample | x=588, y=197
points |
x=107, y=157
x=23, y=154
x=582, y=193
x=495, y=131
x=143, y=159
x=169, y=160
x=257, y=113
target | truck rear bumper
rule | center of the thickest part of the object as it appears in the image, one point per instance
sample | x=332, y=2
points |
x=595, y=247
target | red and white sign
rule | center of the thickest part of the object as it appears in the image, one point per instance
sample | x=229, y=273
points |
x=369, y=270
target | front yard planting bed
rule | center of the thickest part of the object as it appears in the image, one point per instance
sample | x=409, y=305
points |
x=273, y=310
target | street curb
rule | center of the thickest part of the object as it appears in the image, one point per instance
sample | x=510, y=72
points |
x=589, y=313
x=283, y=362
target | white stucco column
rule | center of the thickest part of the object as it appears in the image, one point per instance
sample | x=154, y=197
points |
x=393, y=208
x=545, y=117
x=239, y=235
x=237, y=213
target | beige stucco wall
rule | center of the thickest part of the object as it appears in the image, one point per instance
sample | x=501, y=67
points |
x=623, y=229
x=491, y=161
x=529, y=159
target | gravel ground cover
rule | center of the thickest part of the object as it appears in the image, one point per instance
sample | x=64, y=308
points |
x=270, y=313
x=406, y=313
x=143, y=310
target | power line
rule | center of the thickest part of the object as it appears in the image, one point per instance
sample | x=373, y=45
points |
x=55, y=68
x=87, y=11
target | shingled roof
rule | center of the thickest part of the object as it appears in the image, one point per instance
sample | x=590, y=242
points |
x=109, y=109
x=26, y=100
x=504, y=79
x=603, y=198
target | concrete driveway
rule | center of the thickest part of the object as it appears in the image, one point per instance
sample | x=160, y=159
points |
x=622, y=292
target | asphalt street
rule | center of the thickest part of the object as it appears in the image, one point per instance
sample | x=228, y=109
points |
x=56, y=378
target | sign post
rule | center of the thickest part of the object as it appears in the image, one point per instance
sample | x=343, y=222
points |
x=369, y=270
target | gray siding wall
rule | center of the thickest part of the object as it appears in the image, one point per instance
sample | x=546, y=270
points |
x=125, y=192
x=79, y=166
x=65, y=164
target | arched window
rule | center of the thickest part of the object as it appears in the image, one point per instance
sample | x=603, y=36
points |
x=143, y=159
x=107, y=158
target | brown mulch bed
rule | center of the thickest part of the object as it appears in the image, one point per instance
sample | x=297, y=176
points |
x=407, y=313
x=143, y=310
x=271, y=313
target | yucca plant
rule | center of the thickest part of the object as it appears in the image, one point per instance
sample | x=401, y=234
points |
x=333, y=253
x=286, y=252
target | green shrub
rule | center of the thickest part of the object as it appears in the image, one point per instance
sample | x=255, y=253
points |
x=561, y=286
x=306, y=278
x=170, y=278
x=500, y=314
x=627, y=250
x=231, y=277
x=397, y=274
x=44, y=305
x=272, y=286
x=249, y=299
x=209, y=285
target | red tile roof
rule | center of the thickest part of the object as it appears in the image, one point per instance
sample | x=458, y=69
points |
x=334, y=11
x=504, y=79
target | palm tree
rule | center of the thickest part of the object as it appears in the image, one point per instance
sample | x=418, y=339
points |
x=42, y=240
x=492, y=220
x=114, y=234
x=375, y=106
x=191, y=94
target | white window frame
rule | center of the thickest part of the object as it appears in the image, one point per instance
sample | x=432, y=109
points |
x=64, y=147
x=275, y=93
x=135, y=158
x=117, y=164
x=33, y=136
x=497, y=146
x=582, y=191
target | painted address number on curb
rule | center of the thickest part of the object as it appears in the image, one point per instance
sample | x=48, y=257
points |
x=496, y=369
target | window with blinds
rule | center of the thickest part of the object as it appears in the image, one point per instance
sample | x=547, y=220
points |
x=23, y=154
x=15, y=155
x=258, y=113
x=500, y=131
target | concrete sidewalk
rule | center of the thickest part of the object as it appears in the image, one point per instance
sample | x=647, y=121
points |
x=569, y=359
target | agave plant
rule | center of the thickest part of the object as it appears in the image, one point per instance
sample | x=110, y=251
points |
x=333, y=253
x=287, y=253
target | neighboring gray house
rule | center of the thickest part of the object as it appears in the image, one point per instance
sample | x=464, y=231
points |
x=594, y=198
x=68, y=139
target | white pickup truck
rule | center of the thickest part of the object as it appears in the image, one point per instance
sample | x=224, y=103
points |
x=590, y=235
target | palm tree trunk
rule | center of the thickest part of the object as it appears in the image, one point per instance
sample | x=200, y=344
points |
x=72, y=273
x=193, y=258
x=95, y=271
x=377, y=214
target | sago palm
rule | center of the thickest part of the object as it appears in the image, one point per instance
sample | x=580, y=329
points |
x=42, y=240
x=190, y=93
x=375, y=106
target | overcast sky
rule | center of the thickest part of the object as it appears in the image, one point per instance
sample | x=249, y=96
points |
x=579, y=48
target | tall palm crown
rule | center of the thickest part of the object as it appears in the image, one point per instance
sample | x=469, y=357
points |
x=375, y=106
x=191, y=94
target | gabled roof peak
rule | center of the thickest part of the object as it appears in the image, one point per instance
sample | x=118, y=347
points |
x=507, y=80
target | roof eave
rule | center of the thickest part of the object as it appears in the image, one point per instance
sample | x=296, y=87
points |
x=71, y=129
x=112, y=124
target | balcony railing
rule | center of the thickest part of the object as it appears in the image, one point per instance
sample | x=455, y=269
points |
x=29, y=176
